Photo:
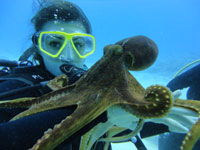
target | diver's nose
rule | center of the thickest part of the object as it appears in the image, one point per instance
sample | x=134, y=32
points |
x=68, y=52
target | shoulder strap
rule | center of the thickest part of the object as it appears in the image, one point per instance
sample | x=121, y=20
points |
x=17, y=78
x=34, y=77
x=28, y=74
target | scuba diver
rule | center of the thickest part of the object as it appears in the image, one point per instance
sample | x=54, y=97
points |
x=189, y=79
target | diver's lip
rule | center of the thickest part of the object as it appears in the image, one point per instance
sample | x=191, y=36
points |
x=74, y=63
x=68, y=60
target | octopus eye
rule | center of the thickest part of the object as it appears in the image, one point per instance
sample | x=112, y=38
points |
x=129, y=60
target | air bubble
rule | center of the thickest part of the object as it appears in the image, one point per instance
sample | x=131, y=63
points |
x=134, y=139
x=55, y=16
x=56, y=21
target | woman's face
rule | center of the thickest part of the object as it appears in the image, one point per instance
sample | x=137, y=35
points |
x=68, y=54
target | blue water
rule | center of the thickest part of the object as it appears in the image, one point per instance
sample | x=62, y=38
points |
x=173, y=24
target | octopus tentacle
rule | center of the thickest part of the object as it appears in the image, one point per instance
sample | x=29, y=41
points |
x=125, y=137
x=45, y=106
x=57, y=135
x=58, y=82
x=156, y=103
x=78, y=119
x=54, y=84
x=31, y=101
x=91, y=136
x=112, y=132
x=85, y=139
x=194, y=134
x=19, y=103
x=94, y=134
x=115, y=130
x=106, y=146
x=161, y=98
x=190, y=104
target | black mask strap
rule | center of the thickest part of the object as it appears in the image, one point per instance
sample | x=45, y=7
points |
x=35, y=38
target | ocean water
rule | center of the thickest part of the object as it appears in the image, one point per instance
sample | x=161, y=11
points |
x=172, y=24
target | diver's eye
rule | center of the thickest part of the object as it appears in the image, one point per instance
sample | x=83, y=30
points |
x=79, y=44
x=55, y=44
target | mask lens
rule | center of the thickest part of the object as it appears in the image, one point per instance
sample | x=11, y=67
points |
x=83, y=44
x=52, y=43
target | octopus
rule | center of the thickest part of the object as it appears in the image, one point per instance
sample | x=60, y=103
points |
x=108, y=86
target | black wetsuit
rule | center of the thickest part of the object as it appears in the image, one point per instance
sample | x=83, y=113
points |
x=23, y=133
x=191, y=79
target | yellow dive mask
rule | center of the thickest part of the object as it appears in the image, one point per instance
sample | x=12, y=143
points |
x=52, y=43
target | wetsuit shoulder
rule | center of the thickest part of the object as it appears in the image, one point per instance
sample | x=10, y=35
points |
x=24, y=82
x=186, y=79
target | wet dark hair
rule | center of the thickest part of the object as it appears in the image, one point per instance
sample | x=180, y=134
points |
x=54, y=10
x=60, y=10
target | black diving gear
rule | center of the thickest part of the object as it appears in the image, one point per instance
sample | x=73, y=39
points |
x=7, y=65
x=190, y=79
x=11, y=64
x=73, y=72
x=139, y=144
x=30, y=78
